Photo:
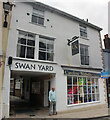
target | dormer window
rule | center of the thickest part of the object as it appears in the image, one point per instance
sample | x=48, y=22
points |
x=37, y=17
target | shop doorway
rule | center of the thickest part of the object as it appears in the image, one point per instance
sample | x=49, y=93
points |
x=28, y=94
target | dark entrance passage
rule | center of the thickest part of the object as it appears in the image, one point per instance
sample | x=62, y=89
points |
x=37, y=92
x=29, y=94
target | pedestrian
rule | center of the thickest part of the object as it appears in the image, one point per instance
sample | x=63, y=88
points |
x=52, y=100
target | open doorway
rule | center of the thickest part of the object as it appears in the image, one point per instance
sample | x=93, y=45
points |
x=29, y=93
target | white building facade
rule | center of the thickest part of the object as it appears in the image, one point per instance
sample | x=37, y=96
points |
x=41, y=58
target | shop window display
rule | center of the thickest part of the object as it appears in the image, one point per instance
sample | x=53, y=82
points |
x=82, y=90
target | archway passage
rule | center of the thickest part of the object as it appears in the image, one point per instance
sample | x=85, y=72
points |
x=29, y=92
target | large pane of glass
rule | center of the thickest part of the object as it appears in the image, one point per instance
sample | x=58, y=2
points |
x=82, y=60
x=74, y=81
x=50, y=56
x=93, y=97
x=69, y=99
x=81, y=50
x=69, y=90
x=89, y=89
x=85, y=98
x=69, y=80
x=30, y=52
x=42, y=55
x=93, y=89
x=80, y=82
x=75, y=89
x=86, y=60
x=84, y=81
x=89, y=98
x=22, y=41
x=75, y=99
x=31, y=36
x=69, y=95
x=21, y=51
x=34, y=19
x=81, y=94
x=22, y=34
x=88, y=81
x=92, y=81
x=31, y=42
x=85, y=89
x=42, y=44
x=40, y=20
x=50, y=46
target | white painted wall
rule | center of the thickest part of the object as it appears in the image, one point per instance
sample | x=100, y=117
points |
x=60, y=28
x=6, y=92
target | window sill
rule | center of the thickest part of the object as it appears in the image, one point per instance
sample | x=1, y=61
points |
x=83, y=103
x=37, y=24
x=87, y=66
x=84, y=38
x=33, y=60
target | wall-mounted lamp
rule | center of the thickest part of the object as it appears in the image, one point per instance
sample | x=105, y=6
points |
x=7, y=8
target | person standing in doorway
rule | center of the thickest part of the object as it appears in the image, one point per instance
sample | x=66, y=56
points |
x=52, y=100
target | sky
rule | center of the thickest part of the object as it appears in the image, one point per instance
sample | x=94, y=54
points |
x=96, y=11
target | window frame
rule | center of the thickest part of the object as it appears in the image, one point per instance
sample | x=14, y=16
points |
x=46, y=51
x=85, y=47
x=83, y=31
x=36, y=13
x=26, y=45
x=97, y=99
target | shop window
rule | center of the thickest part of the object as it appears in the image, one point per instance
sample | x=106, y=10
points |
x=38, y=17
x=26, y=45
x=46, y=49
x=84, y=55
x=82, y=90
x=83, y=31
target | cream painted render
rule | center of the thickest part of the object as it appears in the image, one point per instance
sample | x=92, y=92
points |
x=3, y=47
x=61, y=28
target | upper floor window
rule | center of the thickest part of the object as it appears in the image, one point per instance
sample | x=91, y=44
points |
x=83, y=31
x=46, y=48
x=38, y=17
x=26, y=45
x=84, y=55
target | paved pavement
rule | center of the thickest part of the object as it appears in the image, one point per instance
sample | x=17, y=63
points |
x=90, y=112
x=23, y=110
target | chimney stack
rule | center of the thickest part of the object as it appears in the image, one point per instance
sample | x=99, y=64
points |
x=106, y=42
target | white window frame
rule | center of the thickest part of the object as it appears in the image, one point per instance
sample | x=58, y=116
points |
x=51, y=39
x=19, y=44
x=85, y=47
x=39, y=14
x=96, y=93
x=83, y=31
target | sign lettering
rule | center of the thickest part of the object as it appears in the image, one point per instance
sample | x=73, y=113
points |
x=28, y=66
x=71, y=72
